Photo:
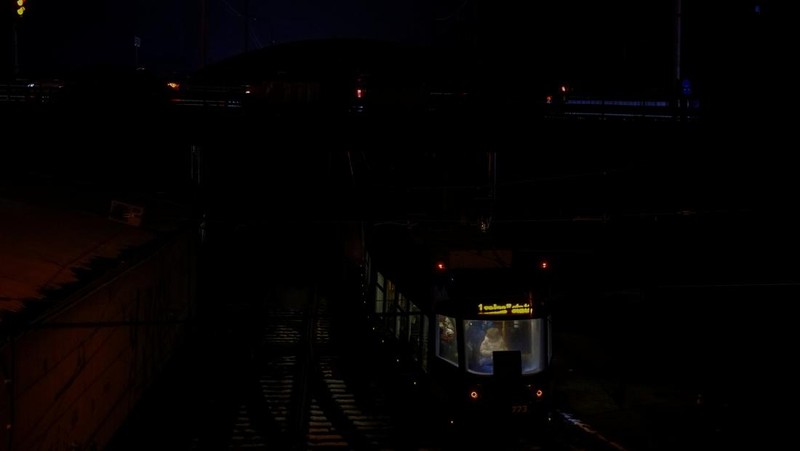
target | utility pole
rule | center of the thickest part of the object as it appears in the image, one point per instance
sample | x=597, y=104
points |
x=678, y=37
x=137, y=42
x=15, y=49
x=20, y=11
x=677, y=87
x=246, y=17
x=203, y=32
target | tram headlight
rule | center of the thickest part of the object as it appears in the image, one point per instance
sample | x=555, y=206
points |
x=474, y=393
x=537, y=392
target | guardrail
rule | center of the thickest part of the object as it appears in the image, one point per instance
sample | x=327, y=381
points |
x=597, y=108
x=29, y=91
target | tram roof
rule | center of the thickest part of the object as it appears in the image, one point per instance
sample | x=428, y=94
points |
x=414, y=252
x=481, y=284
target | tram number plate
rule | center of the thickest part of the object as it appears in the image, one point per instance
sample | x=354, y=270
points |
x=519, y=408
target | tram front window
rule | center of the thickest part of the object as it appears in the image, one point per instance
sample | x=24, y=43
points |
x=483, y=337
x=447, y=347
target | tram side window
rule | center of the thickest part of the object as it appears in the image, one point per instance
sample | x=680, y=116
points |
x=549, y=341
x=367, y=269
x=401, y=326
x=414, y=320
x=391, y=307
x=446, y=347
x=424, y=339
x=379, y=294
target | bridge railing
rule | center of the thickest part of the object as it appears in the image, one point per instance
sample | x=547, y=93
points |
x=602, y=108
x=24, y=91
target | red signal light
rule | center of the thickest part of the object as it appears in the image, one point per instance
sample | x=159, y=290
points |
x=440, y=266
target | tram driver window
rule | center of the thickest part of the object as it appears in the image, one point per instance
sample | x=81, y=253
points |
x=483, y=337
x=474, y=334
x=447, y=344
x=493, y=341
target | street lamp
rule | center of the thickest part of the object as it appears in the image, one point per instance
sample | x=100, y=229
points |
x=15, y=45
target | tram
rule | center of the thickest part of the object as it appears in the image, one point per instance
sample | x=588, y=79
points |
x=468, y=325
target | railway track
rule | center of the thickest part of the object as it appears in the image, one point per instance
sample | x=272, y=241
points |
x=286, y=379
x=292, y=371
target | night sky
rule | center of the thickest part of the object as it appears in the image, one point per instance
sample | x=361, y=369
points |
x=594, y=45
x=57, y=36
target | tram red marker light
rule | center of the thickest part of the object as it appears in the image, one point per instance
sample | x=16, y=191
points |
x=539, y=393
x=473, y=394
